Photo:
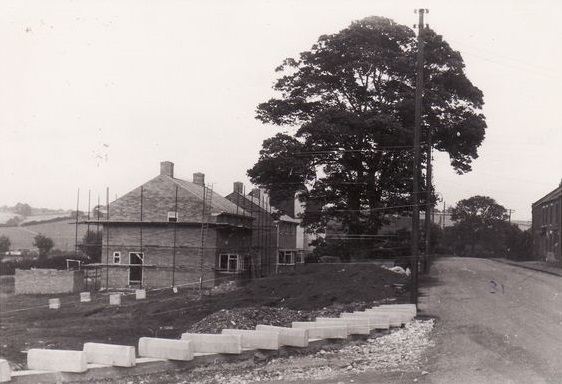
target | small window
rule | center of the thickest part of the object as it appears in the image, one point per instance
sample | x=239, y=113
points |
x=116, y=257
x=300, y=257
x=231, y=263
x=286, y=258
x=172, y=216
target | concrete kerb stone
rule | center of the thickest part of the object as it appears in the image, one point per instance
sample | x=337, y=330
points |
x=85, y=297
x=408, y=308
x=5, y=371
x=140, y=294
x=322, y=331
x=115, y=299
x=57, y=360
x=165, y=349
x=54, y=303
x=110, y=354
x=398, y=315
x=394, y=318
x=376, y=321
x=213, y=343
x=293, y=337
x=252, y=339
x=354, y=326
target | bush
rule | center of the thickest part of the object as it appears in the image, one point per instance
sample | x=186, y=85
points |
x=56, y=261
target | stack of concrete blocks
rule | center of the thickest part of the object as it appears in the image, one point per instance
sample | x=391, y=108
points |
x=115, y=299
x=85, y=297
x=54, y=303
x=140, y=294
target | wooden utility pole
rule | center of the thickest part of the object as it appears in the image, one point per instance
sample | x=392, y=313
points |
x=428, y=203
x=417, y=161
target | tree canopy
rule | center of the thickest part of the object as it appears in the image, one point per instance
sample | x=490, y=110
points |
x=44, y=244
x=350, y=99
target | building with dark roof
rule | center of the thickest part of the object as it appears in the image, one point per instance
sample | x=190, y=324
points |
x=546, y=227
x=172, y=232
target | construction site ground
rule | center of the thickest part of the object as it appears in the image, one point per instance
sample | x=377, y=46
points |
x=314, y=290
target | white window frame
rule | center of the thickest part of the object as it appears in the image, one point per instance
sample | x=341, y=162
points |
x=172, y=216
x=282, y=257
x=116, y=257
x=299, y=258
x=229, y=258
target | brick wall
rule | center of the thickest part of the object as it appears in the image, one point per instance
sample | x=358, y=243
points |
x=48, y=281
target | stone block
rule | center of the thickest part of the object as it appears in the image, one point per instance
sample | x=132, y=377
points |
x=57, y=360
x=115, y=299
x=54, y=303
x=110, y=354
x=397, y=317
x=213, y=343
x=140, y=294
x=256, y=339
x=5, y=371
x=293, y=337
x=409, y=308
x=322, y=331
x=354, y=326
x=376, y=321
x=165, y=349
x=85, y=297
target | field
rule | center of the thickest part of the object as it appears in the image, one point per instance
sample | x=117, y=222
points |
x=62, y=232
x=317, y=289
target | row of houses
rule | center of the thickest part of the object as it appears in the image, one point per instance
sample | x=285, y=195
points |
x=174, y=232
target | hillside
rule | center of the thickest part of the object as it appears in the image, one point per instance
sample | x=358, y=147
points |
x=62, y=232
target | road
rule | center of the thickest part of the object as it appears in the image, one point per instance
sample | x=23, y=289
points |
x=497, y=323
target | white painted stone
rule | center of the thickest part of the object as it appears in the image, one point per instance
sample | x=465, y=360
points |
x=165, y=348
x=115, y=299
x=394, y=315
x=85, y=297
x=213, y=343
x=256, y=339
x=5, y=371
x=54, y=303
x=410, y=308
x=293, y=337
x=354, y=326
x=376, y=321
x=322, y=331
x=110, y=354
x=140, y=294
x=56, y=360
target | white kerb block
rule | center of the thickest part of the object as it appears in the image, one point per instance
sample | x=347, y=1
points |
x=255, y=339
x=213, y=343
x=354, y=326
x=110, y=354
x=292, y=337
x=376, y=321
x=322, y=331
x=115, y=299
x=394, y=315
x=56, y=360
x=54, y=303
x=5, y=371
x=165, y=348
x=85, y=297
x=140, y=294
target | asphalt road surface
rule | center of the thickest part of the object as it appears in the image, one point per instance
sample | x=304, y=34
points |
x=497, y=323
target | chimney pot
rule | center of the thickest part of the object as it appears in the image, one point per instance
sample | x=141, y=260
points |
x=199, y=178
x=238, y=187
x=167, y=168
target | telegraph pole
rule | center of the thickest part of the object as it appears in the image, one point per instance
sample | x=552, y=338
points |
x=417, y=161
x=428, y=203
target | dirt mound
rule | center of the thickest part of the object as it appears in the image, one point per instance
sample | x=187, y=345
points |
x=321, y=285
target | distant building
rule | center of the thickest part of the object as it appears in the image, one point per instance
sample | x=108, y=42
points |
x=172, y=232
x=546, y=227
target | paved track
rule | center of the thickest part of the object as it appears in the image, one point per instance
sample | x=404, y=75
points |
x=497, y=323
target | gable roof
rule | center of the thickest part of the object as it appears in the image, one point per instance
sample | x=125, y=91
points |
x=263, y=205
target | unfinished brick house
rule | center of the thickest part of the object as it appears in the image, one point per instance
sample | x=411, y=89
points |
x=274, y=236
x=172, y=232
x=547, y=227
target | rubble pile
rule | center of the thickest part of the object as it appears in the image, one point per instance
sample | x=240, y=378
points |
x=248, y=318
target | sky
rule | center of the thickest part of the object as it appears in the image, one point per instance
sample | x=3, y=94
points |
x=95, y=94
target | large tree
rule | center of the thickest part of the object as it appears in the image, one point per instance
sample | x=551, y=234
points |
x=350, y=99
x=44, y=244
x=480, y=223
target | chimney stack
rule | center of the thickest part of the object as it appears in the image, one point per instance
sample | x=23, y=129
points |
x=199, y=178
x=238, y=187
x=167, y=168
x=256, y=192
